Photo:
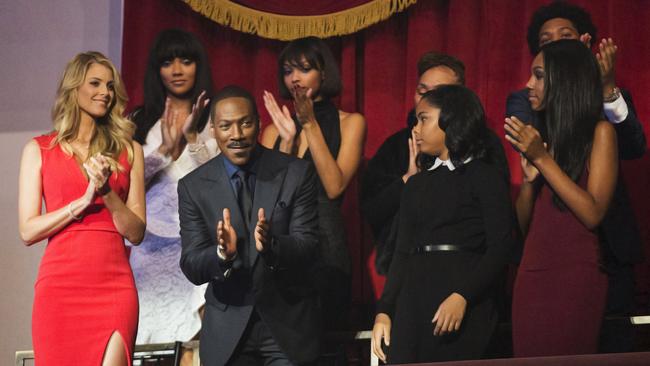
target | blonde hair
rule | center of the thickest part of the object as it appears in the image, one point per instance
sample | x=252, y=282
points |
x=113, y=132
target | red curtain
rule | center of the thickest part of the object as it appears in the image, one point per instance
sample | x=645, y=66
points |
x=378, y=67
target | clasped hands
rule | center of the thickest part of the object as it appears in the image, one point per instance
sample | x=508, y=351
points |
x=227, y=237
x=98, y=169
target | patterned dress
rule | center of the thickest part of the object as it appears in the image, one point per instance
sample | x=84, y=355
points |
x=169, y=303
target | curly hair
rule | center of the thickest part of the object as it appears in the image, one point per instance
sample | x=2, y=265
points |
x=112, y=131
x=578, y=16
x=463, y=119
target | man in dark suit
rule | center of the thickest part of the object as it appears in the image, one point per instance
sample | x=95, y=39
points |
x=619, y=235
x=249, y=227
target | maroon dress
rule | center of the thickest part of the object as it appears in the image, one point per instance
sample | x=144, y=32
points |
x=85, y=290
x=560, y=289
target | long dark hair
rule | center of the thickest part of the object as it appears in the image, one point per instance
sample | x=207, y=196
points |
x=168, y=45
x=573, y=104
x=319, y=56
x=463, y=119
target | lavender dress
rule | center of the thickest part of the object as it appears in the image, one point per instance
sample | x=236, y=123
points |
x=169, y=303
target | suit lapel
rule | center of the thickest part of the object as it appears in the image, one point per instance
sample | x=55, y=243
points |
x=221, y=195
x=268, y=183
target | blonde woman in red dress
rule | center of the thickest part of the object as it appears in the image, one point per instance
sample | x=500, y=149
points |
x=89, y=173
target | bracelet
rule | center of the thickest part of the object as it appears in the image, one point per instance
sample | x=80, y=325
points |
x=71, y=214
x=195, y=147
x=615, y=94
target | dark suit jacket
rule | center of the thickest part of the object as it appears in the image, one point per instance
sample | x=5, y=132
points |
x=276, y=283
x=618, y=230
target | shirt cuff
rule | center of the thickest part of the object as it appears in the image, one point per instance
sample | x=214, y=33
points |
x=226, y=263
x=616, y=111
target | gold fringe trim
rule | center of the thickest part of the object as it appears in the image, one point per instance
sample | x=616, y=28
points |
x=287, y=27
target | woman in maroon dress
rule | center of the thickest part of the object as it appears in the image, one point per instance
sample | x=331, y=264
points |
x=90, y=174
x=569, y=173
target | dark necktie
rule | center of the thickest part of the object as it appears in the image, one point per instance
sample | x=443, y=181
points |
x=244, y=198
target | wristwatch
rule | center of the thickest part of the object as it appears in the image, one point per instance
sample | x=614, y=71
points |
x=615, y=94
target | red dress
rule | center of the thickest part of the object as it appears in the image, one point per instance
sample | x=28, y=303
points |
x=559, y=295
x=85, y=290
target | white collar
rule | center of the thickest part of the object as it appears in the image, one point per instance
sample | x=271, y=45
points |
x=447, y=163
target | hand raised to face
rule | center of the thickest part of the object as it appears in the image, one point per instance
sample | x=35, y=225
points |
x=304, y=105
x=414, y=151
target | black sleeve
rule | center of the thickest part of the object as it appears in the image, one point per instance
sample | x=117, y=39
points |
x=498, y=155
x=382, y=184
x=518, y=105
x=395, y=276
x=631, y=139
x=199, y=260
x=496, y=208
x=299, y=247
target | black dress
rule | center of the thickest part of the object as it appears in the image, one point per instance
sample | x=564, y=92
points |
x=468, y=207
x=332, y=273
x=382, y=184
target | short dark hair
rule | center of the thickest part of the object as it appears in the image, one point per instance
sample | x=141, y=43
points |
x=433, y=59
x=233, y=91
x=319, y=56
x=168, y=45
x=578, y=16
x=463, y=119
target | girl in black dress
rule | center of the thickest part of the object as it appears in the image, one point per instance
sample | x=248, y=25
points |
x=454, y=239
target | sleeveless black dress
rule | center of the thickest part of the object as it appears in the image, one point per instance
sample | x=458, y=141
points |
x=332, y=274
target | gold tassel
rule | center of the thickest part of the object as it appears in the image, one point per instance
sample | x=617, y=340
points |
x=287, y=28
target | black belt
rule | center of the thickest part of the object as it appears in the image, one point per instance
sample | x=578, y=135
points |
x=443, y=248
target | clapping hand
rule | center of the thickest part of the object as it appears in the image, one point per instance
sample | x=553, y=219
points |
x=262, y=230
x=529, y=170
x=525, y=138
x=281, y=118
x=190, y=126
x=171, y=136
x=226, y=237
x=606, y=57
